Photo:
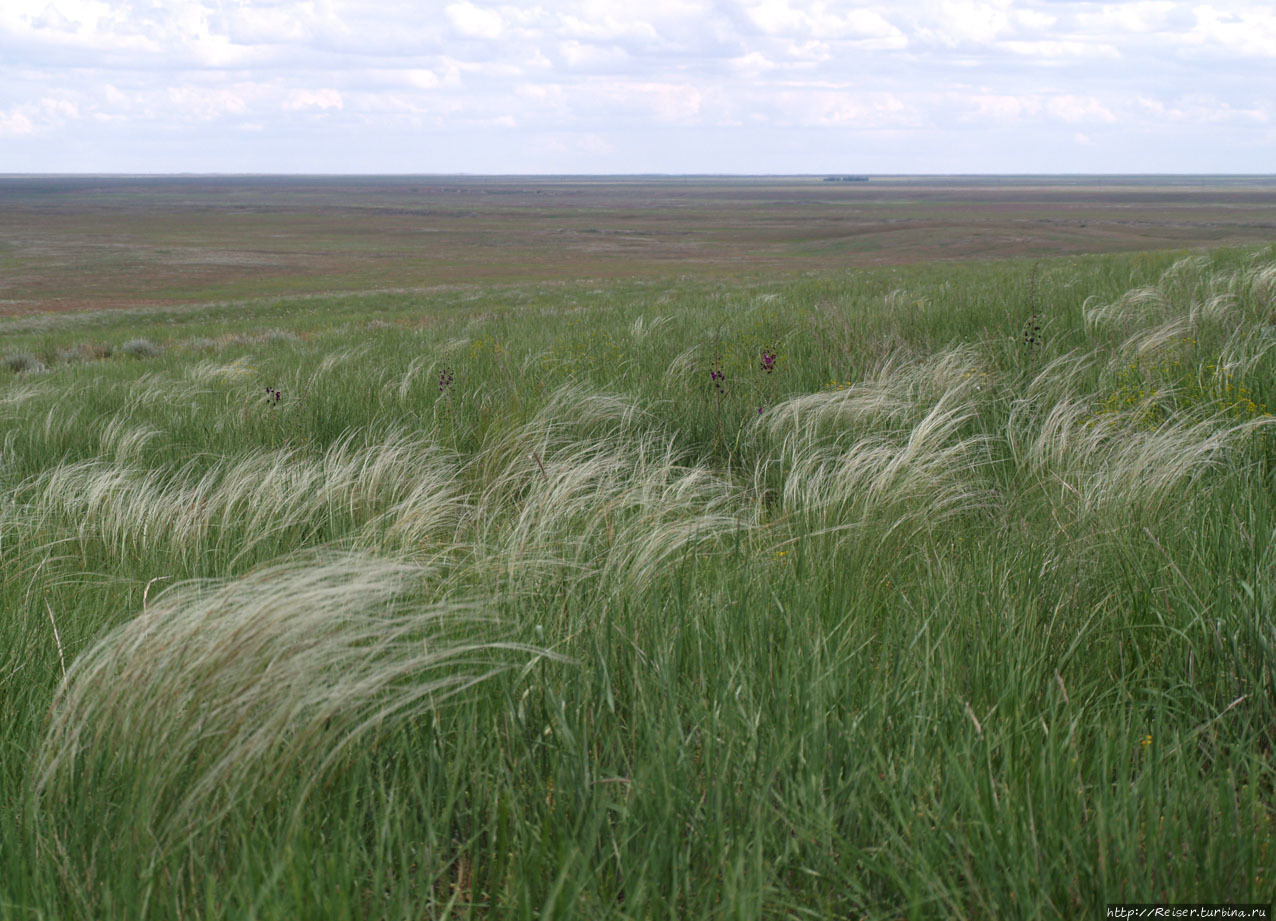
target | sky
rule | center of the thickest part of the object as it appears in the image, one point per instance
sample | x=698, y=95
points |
x=637, y=86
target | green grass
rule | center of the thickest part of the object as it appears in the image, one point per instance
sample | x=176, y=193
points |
x=502, y=609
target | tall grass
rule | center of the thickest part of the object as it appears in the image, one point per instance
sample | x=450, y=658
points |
x=913, y=618
x=211, y=698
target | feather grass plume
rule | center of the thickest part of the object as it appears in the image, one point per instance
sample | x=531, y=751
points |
x=219, y=694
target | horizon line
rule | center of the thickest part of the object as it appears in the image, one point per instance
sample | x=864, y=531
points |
x=648, y=175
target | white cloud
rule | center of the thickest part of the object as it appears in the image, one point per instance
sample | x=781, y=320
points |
x=1031, y=19
x=573, y=144
x=819, y=107
x=581, y=56
x=420, y=77
x=608, y=28
x=1138, y=16
x=273, y=25
x=1079, y=110
x=753, y=65
x=1063, y=49
x=973, y=20
x=313, y=99
x=663, y=103
x=1001, y=107
x=784, y=18
x=1250, y=32
x=872, y=28
x=195, y=102
x=778, y=17
x=623, y=72
x=808, y=53
x=1207, y=109
x=16, y=124
x=53, y=18
x=37, y=117
x=59, y=108
x=475, y=22
x=114, y=97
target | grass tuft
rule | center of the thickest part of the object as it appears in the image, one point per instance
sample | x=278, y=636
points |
x=22, y=363
x=140, y=348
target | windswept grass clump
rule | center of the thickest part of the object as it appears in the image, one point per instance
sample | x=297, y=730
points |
x=896, y=447
x=139, y=348
x=22, y=362
x=854, y=597
x=215, y=697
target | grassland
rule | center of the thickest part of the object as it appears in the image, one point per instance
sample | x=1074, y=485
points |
x=937, y=590
x=103, y=242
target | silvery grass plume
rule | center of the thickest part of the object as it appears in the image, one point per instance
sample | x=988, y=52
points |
x=124, y=443
x=1251, y=325
x=12, y=397
x=156, y=389
x=219, y=372
x=1257, y=286
x=1115, y=462
x=1174, y=294
x=619, y=508
x=1153, y=342
x=684, y=364
x=642, y=327
x=334, y=360
x=591, y=486
x=403, y=387
x=1201, y=304
x=898, y=441
x=1133, y=310
x=1061, y=380
x=1226, y=315
x=220, y=694
x=1187, y=279
x=507, y=459
x=405, y=489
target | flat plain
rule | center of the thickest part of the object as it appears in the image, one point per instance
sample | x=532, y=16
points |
x=74, y=243
x=634, y=549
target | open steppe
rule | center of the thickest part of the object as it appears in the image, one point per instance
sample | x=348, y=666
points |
x=77, y=243
x=579, y=548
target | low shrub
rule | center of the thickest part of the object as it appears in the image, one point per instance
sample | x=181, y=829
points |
x=22, y=362
x=140, y=348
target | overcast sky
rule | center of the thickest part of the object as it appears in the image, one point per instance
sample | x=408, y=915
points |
x=637, y=86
